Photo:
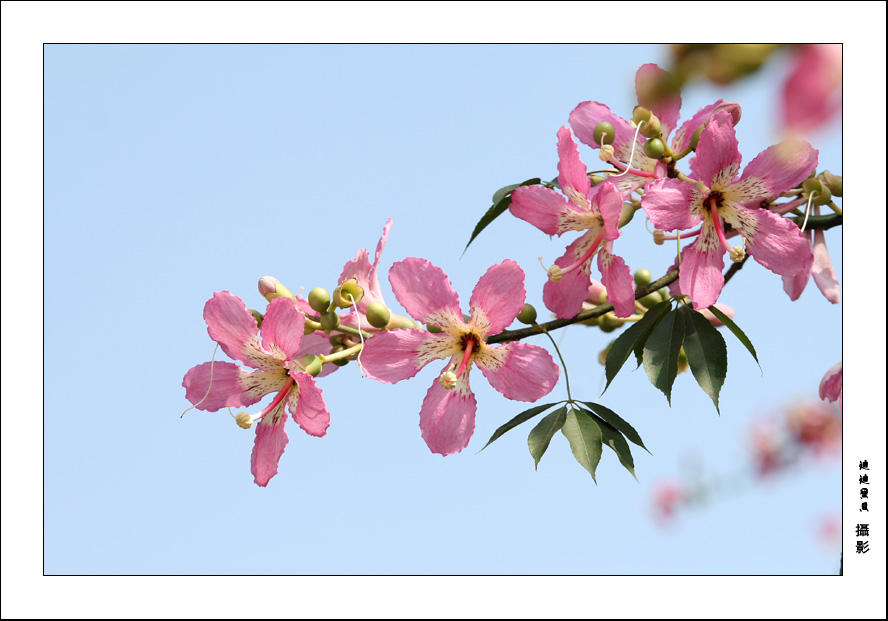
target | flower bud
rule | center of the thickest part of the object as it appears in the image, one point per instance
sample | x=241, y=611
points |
x=683, y=361
x=310, y=364
x=319, y=300
x=626, y=215
x=642, y=277
x=400, y=321
x=528, y=315
x=596, y=179
x=329, y=321
x=448, y=380
x=640, y=113
x=257, y=316
x=606, y=153
x=664, y=294
x=608, y=322
x=695, y=137
x=651, y=129
x=433, y=329
x=654, y=148
x=271, y=288
x=602, y=355
x=650, y=300
x=378, y=314
x=348, y=294
x=833, y=182
x=341, y=362
x=596, y=291
x=604, y=133
x=243, y=420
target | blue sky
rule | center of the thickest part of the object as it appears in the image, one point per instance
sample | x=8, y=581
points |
x=172, y=172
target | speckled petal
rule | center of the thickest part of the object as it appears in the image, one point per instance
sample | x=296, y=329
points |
x=546, y=209
x=271, y=440
x=229, y=385
x=425, y=292
x=682, y=137
x=667, y=202
x=447, y=417
x=718, y=158
x=306, y=405
x=396, y=355
x=497, y=298
x=775, y=242
x=230, y=324
x=776, y=169
x=617, y=277
x=282, y=329
x=609, y=201
x=571, y=170
x=700, y=274
x=519, y=371
x=565, y=298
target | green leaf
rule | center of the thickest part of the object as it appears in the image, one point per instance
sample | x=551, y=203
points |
x=733, y=327
x=501, y=201
x=524, y=416
x=661, y=353
x=632, y=339
x=538, y=440
x=707, y=353
x=616, y=422
x=614, y=439
x=661, y=312
x=584, y=434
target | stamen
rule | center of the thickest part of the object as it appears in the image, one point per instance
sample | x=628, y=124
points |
x=277, y=400
x=212, y=369
x=808, y=210
x=632, y=157
x=660, y=236
x=719, y=228
x=360, y=333
x=448, y=380
x=470, y=344
x=586, y=256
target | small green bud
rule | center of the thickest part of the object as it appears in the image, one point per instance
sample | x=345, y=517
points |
x=664, y=294
x=654, y=148
x=319, y=300
x=271, y=288
x=378, y=314
x=833, y=182
x=626, y=215
x=433, y=329
x=338, y=341
x=257, y=316
x=308, y=329
x=683, y=361
x=341, y=362
x=695, y=137
x=593, y=321
x=400, y=321
x=329, y=321
x=609, y=323
x=310, y=364
x=640, y=113
x=650, y=300
x=642, y=277
x=651, y=129
x=596, y=179
x=818, y=191
x=351, y=291
x=528, y=315
x=603, y=133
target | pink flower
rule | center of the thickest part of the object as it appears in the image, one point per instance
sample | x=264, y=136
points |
x=812, y=94
x=821, y=269
x=815, y=426
x=367, y=275
x=594, y=210
x=517, y=370
x=831, y=385
x=666, y=499
x=214, y=385
x=773, y=241
x=587, y=115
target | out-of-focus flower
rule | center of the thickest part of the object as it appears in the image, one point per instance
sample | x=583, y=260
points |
x=666, y=498
x=767, y=448
x=812, y=95
x=815, y=426
x=831, y=385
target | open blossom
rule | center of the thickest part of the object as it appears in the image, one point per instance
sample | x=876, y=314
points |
x=821, y=269
x=517, y=370
x=279, y=369
x=595, y=210
x=773, y=241
x=367, y=275
x=587, y=115
x=831, y=385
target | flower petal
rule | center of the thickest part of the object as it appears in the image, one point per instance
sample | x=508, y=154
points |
x=282, y=329
x=396, y=355
x=647, y=81
x=682, y=137
x=230, y=324
x=497, y=298
x=831, y=384
x=609, y=201
x=700, y=274
x=519, y=371
x=617, y=277
x=547, y=210
x=425, y=292
x=588, y=114
x=447, y=417
x=822, y=270
x=571, y=170
x=307, y=405
x=271, y=440
x=812, y=93
x=775, y=242
x=667, y=202
x=212, y=386
x=776, y=169
x=718, y=157
x=565, y=297
x=366, y=274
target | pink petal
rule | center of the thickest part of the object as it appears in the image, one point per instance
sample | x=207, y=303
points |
x=307, y=406
x=318, y=344
x=775, y=242
x=283, y=328
x=588, y=114
x=700, y=274
x=715, y=321
x=497, y=298
x=447, y=417
x=718, y=158
x=367, y=274
x=812, y=94
x=667, y=202
x=425, y=292
x=396, y=355
x=667, y=109
x=617, y=277
x=215, y=385
x=519, y=371
x=822, y=270
x=682, y=137
x=609, y=201
x=776, y=169
x=571, y=170
x=795, y=285
x=543, y=207
x=565, y=298
x=230, y=324
x=831, y=384
x=271, y=440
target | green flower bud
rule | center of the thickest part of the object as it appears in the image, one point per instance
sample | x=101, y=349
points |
x=640, y=113
x=604, y=133
x=593, y=321
x=310, y=364
x=319, y=299
x=664, y=294
x=818, y=191
x=683, y=361
x=609, y=323
x=654, y=148
x=378, y=314
x=596, y=179
x=433, y=329
x=650, y=300
x=528, y=315
x=695, y=137
x=257, y=316
x=642, y=277
x=329, y=321
x=626, y=215
x=833, y=182
x=651, y=129
x=271, y=288
x=341, y=362
x=338, y=341
x=400, y=321
x=348, y=294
